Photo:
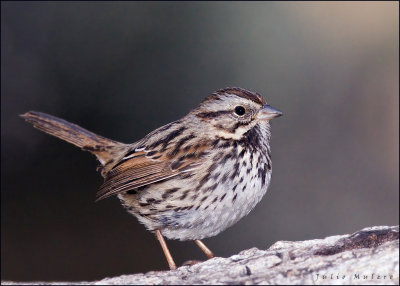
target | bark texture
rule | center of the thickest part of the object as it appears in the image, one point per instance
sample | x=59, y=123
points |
x=368, y=256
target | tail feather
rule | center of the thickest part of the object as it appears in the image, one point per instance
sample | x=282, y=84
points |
x=106, y=150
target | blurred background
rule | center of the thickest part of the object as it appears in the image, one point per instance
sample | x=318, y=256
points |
x=123, y=69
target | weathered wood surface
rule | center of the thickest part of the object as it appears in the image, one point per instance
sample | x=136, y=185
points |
x=369, y=256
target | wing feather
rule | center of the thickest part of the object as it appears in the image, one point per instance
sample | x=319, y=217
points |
x=139, y=170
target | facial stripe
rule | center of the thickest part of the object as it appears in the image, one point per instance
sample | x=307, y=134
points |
x=212, y=114
x=234, y=127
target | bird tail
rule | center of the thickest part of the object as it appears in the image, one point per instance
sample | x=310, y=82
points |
x=106, y=150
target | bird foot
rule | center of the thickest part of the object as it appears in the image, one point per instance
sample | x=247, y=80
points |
x=191, y=262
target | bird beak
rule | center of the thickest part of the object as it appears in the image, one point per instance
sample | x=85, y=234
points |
x=267, y=113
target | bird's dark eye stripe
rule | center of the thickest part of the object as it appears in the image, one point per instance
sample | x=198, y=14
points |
x=212, y=114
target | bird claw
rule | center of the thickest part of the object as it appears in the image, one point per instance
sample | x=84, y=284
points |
x=191, y=262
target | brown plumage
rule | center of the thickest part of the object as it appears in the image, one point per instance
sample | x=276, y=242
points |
x=191, y=178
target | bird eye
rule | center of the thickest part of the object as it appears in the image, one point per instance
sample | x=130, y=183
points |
x=239, y=110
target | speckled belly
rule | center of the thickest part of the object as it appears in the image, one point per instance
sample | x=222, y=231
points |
x=183, y=210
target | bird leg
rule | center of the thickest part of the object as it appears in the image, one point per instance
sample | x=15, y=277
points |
x=164, y=246
x=204, y=248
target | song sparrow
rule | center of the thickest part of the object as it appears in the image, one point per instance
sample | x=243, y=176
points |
x=191, y=178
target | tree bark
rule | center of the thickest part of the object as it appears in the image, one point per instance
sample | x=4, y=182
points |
x=369, y=256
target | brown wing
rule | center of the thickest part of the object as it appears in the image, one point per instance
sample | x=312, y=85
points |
x=140, y=169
